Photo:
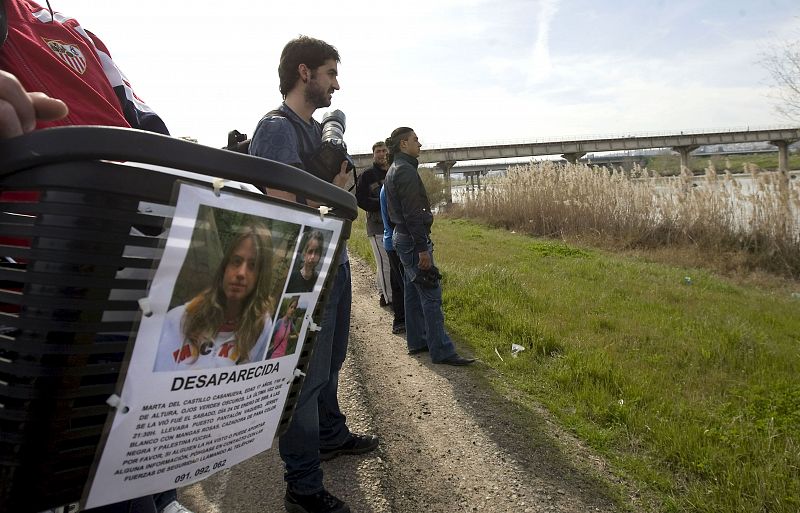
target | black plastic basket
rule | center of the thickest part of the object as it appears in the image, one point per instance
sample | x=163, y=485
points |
x=60, y=356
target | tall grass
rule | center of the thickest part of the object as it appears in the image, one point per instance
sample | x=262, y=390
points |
x=640, y=209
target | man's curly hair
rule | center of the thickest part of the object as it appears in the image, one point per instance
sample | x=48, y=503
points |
x=302, y=50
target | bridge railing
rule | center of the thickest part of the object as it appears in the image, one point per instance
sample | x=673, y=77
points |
x=583, y=145
x=594, y=137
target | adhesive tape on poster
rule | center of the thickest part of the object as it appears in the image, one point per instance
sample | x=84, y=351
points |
x=218, y=184
x=116, y=402
x=144, y=304
x=323, y=211
x=298, y=373
x=313, y=326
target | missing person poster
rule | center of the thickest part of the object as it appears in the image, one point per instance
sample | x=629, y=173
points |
x=219, y=339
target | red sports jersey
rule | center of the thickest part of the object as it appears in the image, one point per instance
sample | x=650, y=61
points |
x=54, y=55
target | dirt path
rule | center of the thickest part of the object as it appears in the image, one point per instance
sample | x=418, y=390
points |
x=447, y=443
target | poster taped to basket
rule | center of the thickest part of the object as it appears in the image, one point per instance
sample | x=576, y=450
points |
x=220, y=336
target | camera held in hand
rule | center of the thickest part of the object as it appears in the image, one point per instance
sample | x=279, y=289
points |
x=327, y=161
x=428, y=278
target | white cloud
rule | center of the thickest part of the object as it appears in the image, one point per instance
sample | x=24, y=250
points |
x=541, y=66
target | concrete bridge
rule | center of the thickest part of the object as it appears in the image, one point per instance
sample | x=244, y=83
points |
x=682, y=142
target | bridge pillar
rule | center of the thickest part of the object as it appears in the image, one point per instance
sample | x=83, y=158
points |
x=783, y=154
x=684, y=152
x=572, y=158
x=446, y=166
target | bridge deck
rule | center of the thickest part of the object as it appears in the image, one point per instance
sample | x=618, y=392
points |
x=579, y=146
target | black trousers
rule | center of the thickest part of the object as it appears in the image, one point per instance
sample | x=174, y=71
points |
x=398, y=289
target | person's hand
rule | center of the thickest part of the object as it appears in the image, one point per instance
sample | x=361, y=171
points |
x=19, y=109
x=340, y=180
x=424, y=261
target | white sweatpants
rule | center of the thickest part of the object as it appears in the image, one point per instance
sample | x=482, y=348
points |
x=382, y=267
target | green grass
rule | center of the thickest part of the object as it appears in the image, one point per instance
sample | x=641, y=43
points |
x=358, y=242
x=689, y=390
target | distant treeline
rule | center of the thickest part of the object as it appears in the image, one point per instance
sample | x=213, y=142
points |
x=671, y=164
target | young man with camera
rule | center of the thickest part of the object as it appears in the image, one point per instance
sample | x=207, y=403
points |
x=308, y=73
x=410, y=211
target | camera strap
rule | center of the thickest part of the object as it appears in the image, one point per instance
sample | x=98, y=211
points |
x=307, y=158
x=301, y=142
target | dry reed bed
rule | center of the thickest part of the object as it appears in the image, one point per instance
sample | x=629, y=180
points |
x=719, y=212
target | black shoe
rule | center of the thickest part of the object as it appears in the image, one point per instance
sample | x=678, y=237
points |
x=356, y=444
x=399, y=329
x=320, y=502
x=456, y=360
x=418, y=350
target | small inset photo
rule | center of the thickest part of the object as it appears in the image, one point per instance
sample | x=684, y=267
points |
x=305, y=272
x=287, y=327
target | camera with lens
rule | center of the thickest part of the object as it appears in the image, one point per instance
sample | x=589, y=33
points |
x=327, y=161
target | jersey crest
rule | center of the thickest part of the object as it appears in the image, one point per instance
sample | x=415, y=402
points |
x=69, y=53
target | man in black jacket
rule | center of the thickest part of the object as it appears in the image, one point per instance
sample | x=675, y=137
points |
x=410, y=211
x=368, y=195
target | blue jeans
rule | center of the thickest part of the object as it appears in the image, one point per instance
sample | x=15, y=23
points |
x=317, y=421
x=424, y=316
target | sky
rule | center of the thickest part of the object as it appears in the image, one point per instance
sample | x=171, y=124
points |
x=460, y=72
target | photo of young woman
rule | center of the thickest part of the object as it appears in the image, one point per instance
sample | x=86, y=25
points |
x=284, y=338
x=229, y=322
x=305, y=273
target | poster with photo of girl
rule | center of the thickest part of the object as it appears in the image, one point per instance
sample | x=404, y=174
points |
x=205, y=383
